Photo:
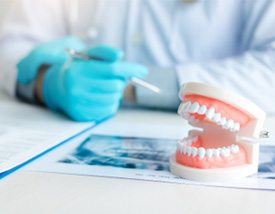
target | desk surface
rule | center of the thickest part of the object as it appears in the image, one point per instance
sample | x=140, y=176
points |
x=36, y=192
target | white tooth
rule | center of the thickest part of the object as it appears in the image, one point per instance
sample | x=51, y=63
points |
x=210, y=113
x=189, y=150
x=180, y=109
x=225, y=152
x=202, y=110
x=194, y=151
x=226, y=125
x=187, y=106
x=184, y=149
x=222, y=121
x=230, y=124
x=194, y=107
x=232, y=128
x=234, y=148
x=216, y=152
x=209, y=153
x=236, y=127
x=217, y=117
x=201, y=152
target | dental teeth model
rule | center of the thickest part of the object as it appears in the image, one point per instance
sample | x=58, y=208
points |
x=214, y=153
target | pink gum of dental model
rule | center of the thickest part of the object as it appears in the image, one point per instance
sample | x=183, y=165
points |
x=215, y=153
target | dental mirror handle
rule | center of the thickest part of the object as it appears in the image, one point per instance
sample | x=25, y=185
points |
x=134, y=80
x=264, y=137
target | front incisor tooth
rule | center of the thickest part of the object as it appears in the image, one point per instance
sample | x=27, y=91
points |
x=202, y=110
x=210, y=113
x=189, y=150
x=194, y=107
x=184, y=149
x=216, y=152
x=201, y=152
x=194, y=151
x=209, y=153
x=180, y=109
x=187, y=106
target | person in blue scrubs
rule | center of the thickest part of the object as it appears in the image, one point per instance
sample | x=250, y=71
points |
x=230, y=44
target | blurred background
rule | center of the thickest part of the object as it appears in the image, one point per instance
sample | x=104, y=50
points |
x=4, y=7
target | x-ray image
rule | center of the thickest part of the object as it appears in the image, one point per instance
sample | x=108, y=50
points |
x=267, y=162
x=125, y=152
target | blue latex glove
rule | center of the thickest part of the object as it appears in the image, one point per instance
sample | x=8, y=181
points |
x=46, y=54
x=84, y=90
x=90, y=90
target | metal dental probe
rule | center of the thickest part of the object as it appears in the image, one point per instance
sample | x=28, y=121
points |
x=134, y=80
x=264, y=137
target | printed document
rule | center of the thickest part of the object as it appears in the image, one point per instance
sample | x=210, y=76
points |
x=27, y=131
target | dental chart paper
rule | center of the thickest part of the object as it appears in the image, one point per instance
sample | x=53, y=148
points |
x=27, y=131
x=143, y=157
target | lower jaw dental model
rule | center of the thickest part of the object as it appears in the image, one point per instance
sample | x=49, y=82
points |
x=223, y=148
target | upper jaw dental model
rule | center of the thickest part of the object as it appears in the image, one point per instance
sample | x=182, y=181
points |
x=217, y=151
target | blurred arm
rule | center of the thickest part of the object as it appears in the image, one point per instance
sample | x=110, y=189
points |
x=251, y=74
x=27, y=24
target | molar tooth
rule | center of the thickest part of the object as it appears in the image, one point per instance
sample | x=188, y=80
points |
x=216, y=152
x=210, y=113
x=230, y=123
x=201, y=152
x=227, y=124
x=217, y=117
x=189, y=150
x=202, y=110
x=234, y=148
x=209, y=153
x=222, y=121
x=225, y=152
x=194, y=151
x=194, y=107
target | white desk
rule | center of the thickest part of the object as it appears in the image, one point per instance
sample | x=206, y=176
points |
x=39, y=193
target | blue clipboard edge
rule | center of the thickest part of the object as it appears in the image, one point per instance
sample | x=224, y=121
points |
x=10, y=171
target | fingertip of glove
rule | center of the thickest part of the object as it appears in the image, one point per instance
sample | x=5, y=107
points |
x=106, y=52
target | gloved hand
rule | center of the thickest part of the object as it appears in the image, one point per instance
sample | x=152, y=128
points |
x=90, y=90
x=84, y=90
x=46, y=54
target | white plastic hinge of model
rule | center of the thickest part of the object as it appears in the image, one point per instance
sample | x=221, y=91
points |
x=214, y=151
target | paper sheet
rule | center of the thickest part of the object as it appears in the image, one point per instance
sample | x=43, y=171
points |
x=143, y=157
x=26, y=131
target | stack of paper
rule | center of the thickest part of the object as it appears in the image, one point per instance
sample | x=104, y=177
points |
x=27, y=131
